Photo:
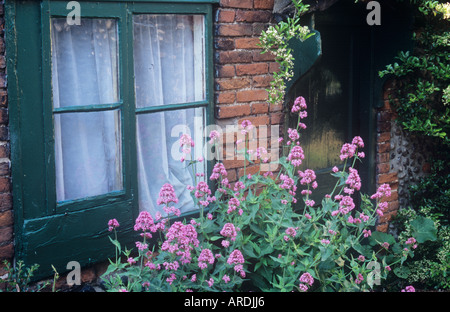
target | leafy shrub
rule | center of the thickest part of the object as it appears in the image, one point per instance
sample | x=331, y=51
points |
x=251, y=237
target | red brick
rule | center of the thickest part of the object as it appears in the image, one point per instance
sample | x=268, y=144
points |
x=262, y=81
x=3, y=116
x=226, y=16
x=275, y=108
x=387, y=178
x=252, y=69
x=387, y=217
x=263, y=4
x=274, y=67
x=233, y=83
x=7, y=251
x=251, y=95
x=382, y=157
x=4, y=151
x=224, y=44
x=383, y=227
x=5, y=202
x=248, y=170
x=383, y=137
x=258, y=57
x=231, y=175
x=5, y=186
x=260, y=108
x=383, y=126
x=225, y=71
x=253, y=16
x=6, y=234
x=426, y=168
x=230, y=57
x=232, y=164
x=229, y=111
x=384, y=147
x=393, y=197
x=242, y=4
x=383, y=168
x=256, y=121
x=276, y=118
x=234, y=30
x=247, y=43
x=226, y=98
x=393, y=206
x=6, y=218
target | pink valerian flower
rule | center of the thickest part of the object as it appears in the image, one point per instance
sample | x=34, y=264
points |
x=226, y=278
x=141, y=246
x=131, y=261
x=367, y=233
x=296, y=155
x=335, y=169
x=145, y=223
x=206, y=256
x=310, y=202
x=233, y=204
x=307, y=177
x=186, y=140
x=293, y=134
x=240, y=269
x=346, y=205
x=225, y=243
x=359, y=279
x=246, y=126
x=307, y=279
x=358, y=141
x=218, y=171
x=288, y=184
x=229, y=230
x=348, y=151
x=409, y=289
x=364, y=217
x=411, y=241
x=325, y=241
x=290, y=231
x=214, y=136
x=210, y=282
x=261, y=153
x=384, y=190
x=299, y=104
x=181, y=240
x=236, y=257
x=167, y=195
x=353, y=180
x=385, y=245
x=173, y=210
x=361, y=258
x=112, y=224
x=171, y=278
x=171, y=265
x=303, y=287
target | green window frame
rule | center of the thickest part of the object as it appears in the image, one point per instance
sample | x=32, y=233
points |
x=49, y=232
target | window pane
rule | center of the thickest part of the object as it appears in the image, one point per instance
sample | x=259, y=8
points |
x=84, y=62
x=159, y=155
x=87, y=154
x=169, y=61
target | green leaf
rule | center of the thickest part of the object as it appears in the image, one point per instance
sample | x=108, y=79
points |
x=380, y=238
x=423, y=229
x=402, y=272
x=116, y=243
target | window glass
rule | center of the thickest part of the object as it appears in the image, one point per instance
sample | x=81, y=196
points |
x=85, y=72
x=168, y=59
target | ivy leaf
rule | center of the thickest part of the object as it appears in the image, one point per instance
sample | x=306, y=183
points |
x=423, y=229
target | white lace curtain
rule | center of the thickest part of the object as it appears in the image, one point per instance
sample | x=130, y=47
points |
x=169, y=69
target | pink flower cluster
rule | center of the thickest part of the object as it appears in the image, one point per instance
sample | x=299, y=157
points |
x=296, y=155
x=349, y=150
x=218, y=171
x=144, y=222
x=411, y=241
x=214, y=136
x=288, y=184
x=181, y=239
x=346, y=205
x=229, y=230
x=112, y=224
x=306, y=281
x=299, y=104
x=409, y=289
x=307, y=177
x=203, y=193
x=186, y=143
x=290, y=232
x=167, y=195
x=384, y=190
x=237, y=259
x=246, y=126
x=206, y=256
x=233, y=204
x=353, y=181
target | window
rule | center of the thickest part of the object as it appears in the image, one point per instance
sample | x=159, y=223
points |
x=117, y=92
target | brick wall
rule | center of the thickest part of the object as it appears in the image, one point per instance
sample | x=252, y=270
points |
x=6, y=213
x=401, y=157
x=242, y=73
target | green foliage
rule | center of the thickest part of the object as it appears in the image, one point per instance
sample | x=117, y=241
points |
x=19, y=277
x=275, y=40
x=424, y=74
